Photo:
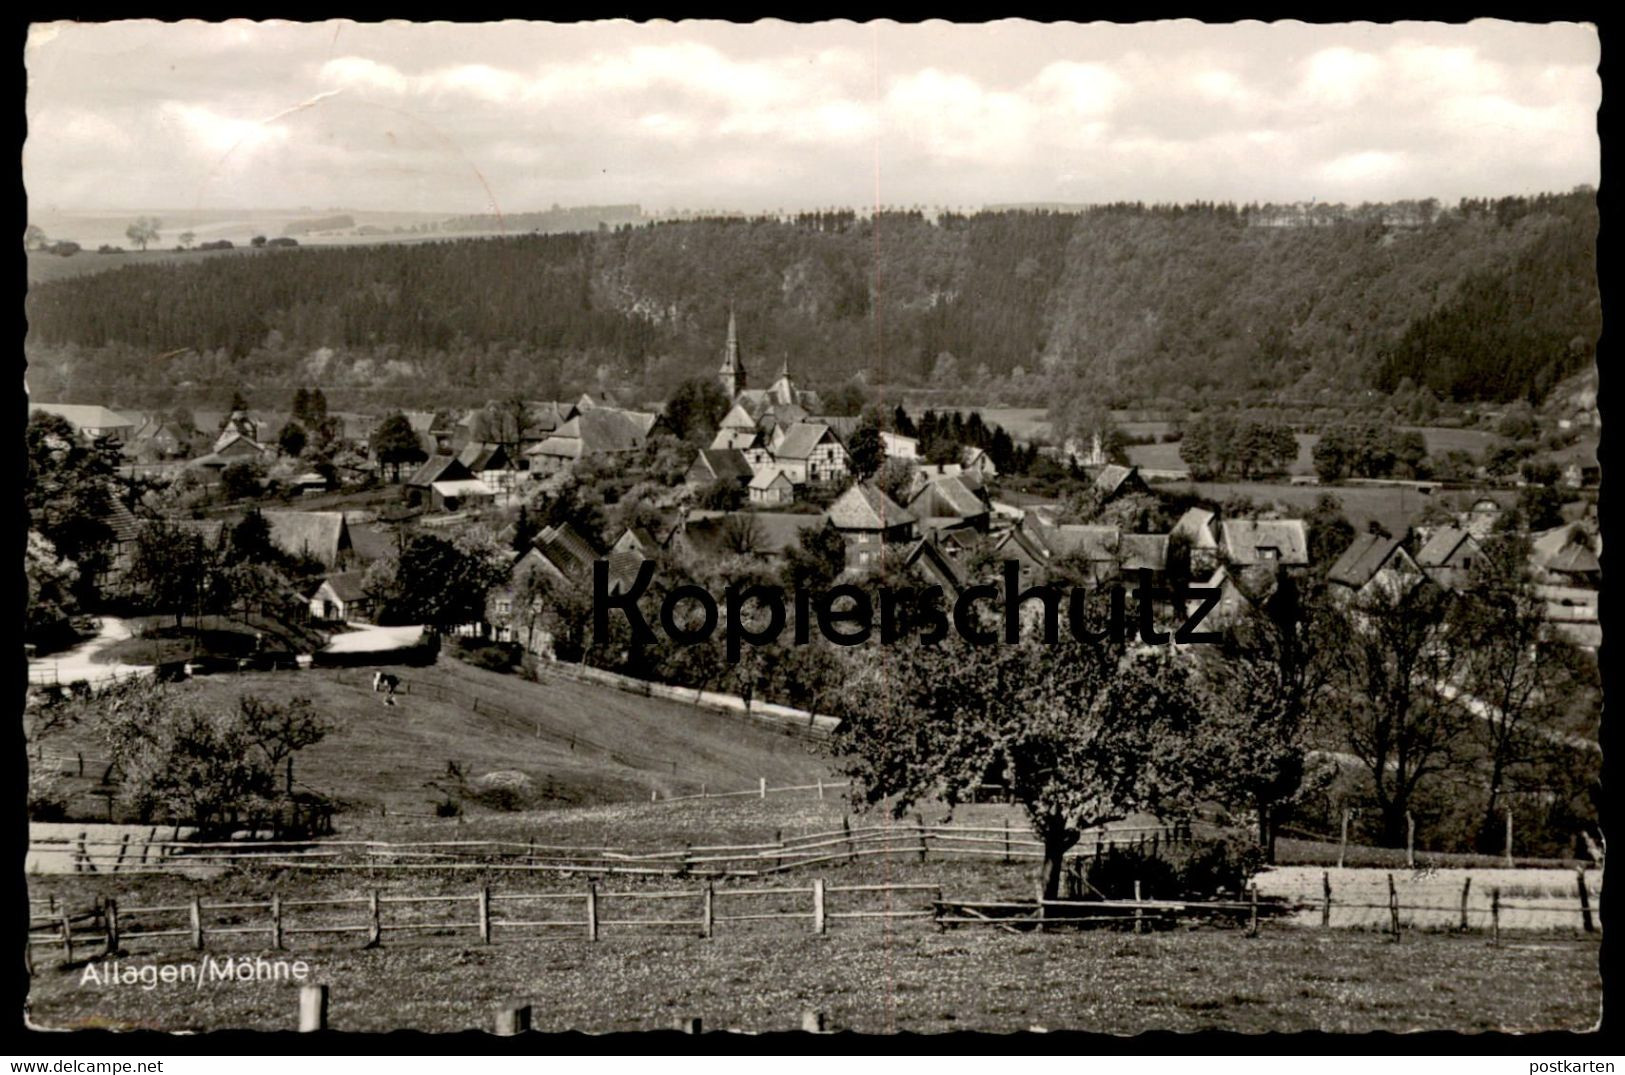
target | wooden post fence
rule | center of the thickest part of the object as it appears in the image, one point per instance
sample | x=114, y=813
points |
x=1252, y=910
x=276, y=921
x=1007, y=842
x=592, y=910
x=1466, y=890
x=1509, y=838
x=375, y=924
x=1495, y=916
x=761, y=785
x=312, y=1008
x=110, y=920
x=196, y=911
x=708, y=912
x=851, y=846
x=1343, y=844
x=1410, y=840
x=67, y=938
x=919, y=819
x=1139, y=919
x=1393, y=907
x=819, y=923
x=1325, y=899
x=512, y=1019
x=1585, y=900
x=484, y=903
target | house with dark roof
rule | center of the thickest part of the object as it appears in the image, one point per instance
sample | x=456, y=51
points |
x=437, y=468
x=1271, y=542
x=1195, y=528
x=342, y=598
x=1567, y=556
x=1114, y=480
x=1447, y=556
x=947, y=504
x=771, y=486
x=809, y=452
x=713, y=465
x=870, y=520
x=321, y=535
x=936, y=566
x=595, y=430
x=1374, y=563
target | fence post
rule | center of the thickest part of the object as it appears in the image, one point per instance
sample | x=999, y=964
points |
x=1495, y=916
x=592, y=910
x=1509, y=838
x=197, y=923
x=1466, y=888
x=1007, y=841
x=1252, y=911
x=654, y=796
x=761, y=784
x=312, y=1008
x=1139, y=920
x=512, y=1019
x=1585, y=900
x=1154, y=845
x=818, y=905
x=778, y=838
x=1410, y=840
x=851, y=845
x=67, y=937
x=919, y=820
x=1393, y=906
x=111, y=919
x=276, y=921
x=708, y=911
x=703, y=795
x=1325, y=899
x=484, y=901
x=375, y=923
x=936, y=910
x=1343, y=844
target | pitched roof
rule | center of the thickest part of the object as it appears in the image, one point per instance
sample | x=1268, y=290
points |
x=1554, y=551
x=597, y=429
x=122, y=521
x=1244, y=539
x=933, y=562
x=87, y=415
x=768, y=477
x=1441, y=546
x=348, y=585
x=724, y=464
x=1112, y=476
x=1365, y=556
x=842, y=425
x=322, y=534
x=478, y=456
x=567, y=549
x=863, y=507
x=950, y=497
x=800, y=439
x=439, y=468
x=463, y=487
x=1197, y=525
x=737, y=439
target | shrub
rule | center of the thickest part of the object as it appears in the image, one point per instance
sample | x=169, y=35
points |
x=1216, y=867
x=1113, y=875
x=491, y=656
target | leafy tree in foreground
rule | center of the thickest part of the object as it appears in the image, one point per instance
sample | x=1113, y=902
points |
x=1082, y=734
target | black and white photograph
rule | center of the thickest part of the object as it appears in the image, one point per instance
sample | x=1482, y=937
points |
x=799, y=528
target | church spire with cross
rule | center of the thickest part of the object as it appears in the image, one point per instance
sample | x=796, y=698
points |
x=732, y=373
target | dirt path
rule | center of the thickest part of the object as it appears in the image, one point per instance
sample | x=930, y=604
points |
x=79, y=664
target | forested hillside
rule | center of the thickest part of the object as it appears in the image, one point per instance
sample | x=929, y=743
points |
x=1489, y=300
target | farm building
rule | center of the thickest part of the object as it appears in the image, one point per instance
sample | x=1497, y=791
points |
x=92, y=420
x=321, y=535
x=809, y=452
x=596, y=430
x=1448, y=555
x=437, y=468
x=461, y=495
x=1373, y=563
x=948, y=503
x=771, y=485
x=1196, y=528
x=870, y=520
x=898, y=446
x=341, y=598
x=713, y=465
x=1252, y=542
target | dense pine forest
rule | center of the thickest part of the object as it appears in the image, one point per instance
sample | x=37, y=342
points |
x=1488, y=300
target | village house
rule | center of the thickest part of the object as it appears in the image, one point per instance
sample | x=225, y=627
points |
x=713, y=465
x=1195, y=528
x=463, y=494
x=1447, y=556
x=92, y=419
x=771, y=486
x=810, y=453
x=437, y=468
x=1114, y=480
x=596, y=430
x=323, y=536
x=978, y=461
x=870, y=520
x=341, y=598
x=1264, y=542
x=490, y=464
x=936, y=566
x=898, y=446
x=714, y=535
x=947, y=504
x=1567, y=556
x=158, y=439
x=1373, y=564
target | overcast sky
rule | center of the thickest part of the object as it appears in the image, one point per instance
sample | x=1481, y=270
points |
x=516, y=116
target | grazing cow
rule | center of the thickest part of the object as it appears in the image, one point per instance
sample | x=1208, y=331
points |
x=386, y=682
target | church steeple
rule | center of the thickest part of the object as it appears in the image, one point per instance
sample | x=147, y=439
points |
x=732, y=373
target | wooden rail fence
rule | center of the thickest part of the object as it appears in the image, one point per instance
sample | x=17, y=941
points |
x=108, y=928
x=849, y=843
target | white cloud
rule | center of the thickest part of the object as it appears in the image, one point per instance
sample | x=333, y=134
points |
x=1339, y=77
x=217, y=134
x=1363, y=167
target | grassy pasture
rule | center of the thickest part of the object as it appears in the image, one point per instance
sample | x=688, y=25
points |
x=382, y=756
